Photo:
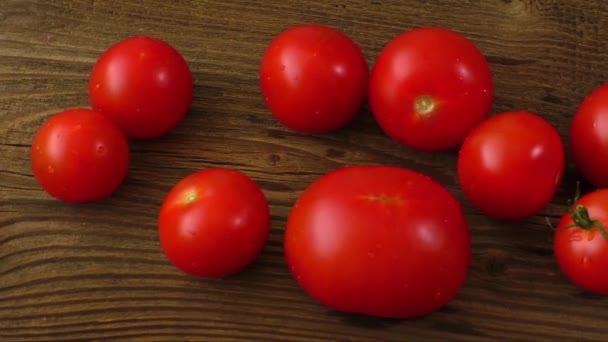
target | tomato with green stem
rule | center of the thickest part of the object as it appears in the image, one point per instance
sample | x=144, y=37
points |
x=581, y=242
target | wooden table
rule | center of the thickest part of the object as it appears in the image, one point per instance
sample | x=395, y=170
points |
x=96, y=271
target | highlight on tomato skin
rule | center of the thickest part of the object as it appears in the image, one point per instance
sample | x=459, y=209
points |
x=214, y=223
x=144, y=84
x=381, y=241
x=79, y=155
x=580, y=242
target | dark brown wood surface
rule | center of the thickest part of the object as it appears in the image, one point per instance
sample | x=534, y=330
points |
x=96, y=271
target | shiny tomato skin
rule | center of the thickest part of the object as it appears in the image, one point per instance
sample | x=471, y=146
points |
x=589, y=137
x=582, y=254
x=511, y=165
x=313, y=78
x=378, y=240
x=214, y=222
x=429, y=87
x=144, y=84
x=79, y=155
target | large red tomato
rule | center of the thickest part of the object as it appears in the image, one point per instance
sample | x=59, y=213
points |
x=378, y=240
x=589, y=137
x=313, y=78
x=214, y=222
x=581, y=242
x=511, y=165
x=429, y=87
x=79, y=155
x=144, y=84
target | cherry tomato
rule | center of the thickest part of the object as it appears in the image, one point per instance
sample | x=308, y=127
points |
x=589, y=137
x=144, y=84
x=581, y=242
x=429, y=87
x=79, y=155
x=511, y=165
x=313, y=78
x=214, y=222
x=378, y=240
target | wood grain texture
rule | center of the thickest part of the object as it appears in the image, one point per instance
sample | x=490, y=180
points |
x=96, y=271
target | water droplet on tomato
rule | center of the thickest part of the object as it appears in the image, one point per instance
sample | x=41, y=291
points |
x=445, y=220
x=50, y=169
x=97, y=86
x=317, y=113
x=585, y=261
x=101, y=149
x=594, y=124
x=138, y=110
x=266, y=98
x=282, y=67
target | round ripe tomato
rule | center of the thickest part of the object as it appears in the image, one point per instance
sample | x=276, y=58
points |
x=378, y=240
x=511, y=165
x=214, y=223
x=589, y=138
x=313, y=78
x=79, y=155
x=429, y=87
x=144, y=84
x=581, y=242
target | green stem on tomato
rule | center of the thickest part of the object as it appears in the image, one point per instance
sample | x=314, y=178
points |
x=580, y=218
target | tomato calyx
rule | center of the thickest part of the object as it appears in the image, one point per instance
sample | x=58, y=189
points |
x=581, y=219
x=424, y=105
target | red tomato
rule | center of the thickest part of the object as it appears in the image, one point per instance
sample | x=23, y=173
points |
x=589, y=137
x=511, y=165
x=214, y=223
x=581, y=242
x=144, y=84
x=313, y=78
x=429, y=87
x=79, y=155
x=378, y=240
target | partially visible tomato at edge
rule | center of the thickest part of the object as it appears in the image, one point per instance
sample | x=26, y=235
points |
x=378, y=240
x=511, y=165
x=144, y=84
x=581, y=242
x=313, y=78
x=214, y=222
x=79, y=155
x=589, y=137
x=429, y=87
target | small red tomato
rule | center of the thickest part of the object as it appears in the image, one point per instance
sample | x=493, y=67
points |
x=79, y=155
x=144, y=84
x=589, y=137
x=214, y=223
x=378, y=240
x=313, y=78
x=581, y=242
x=429, y=87
x=511, y=165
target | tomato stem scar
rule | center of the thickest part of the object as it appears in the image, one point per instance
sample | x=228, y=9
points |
x=384, y=199
x=190, y=197
x=424, y=105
